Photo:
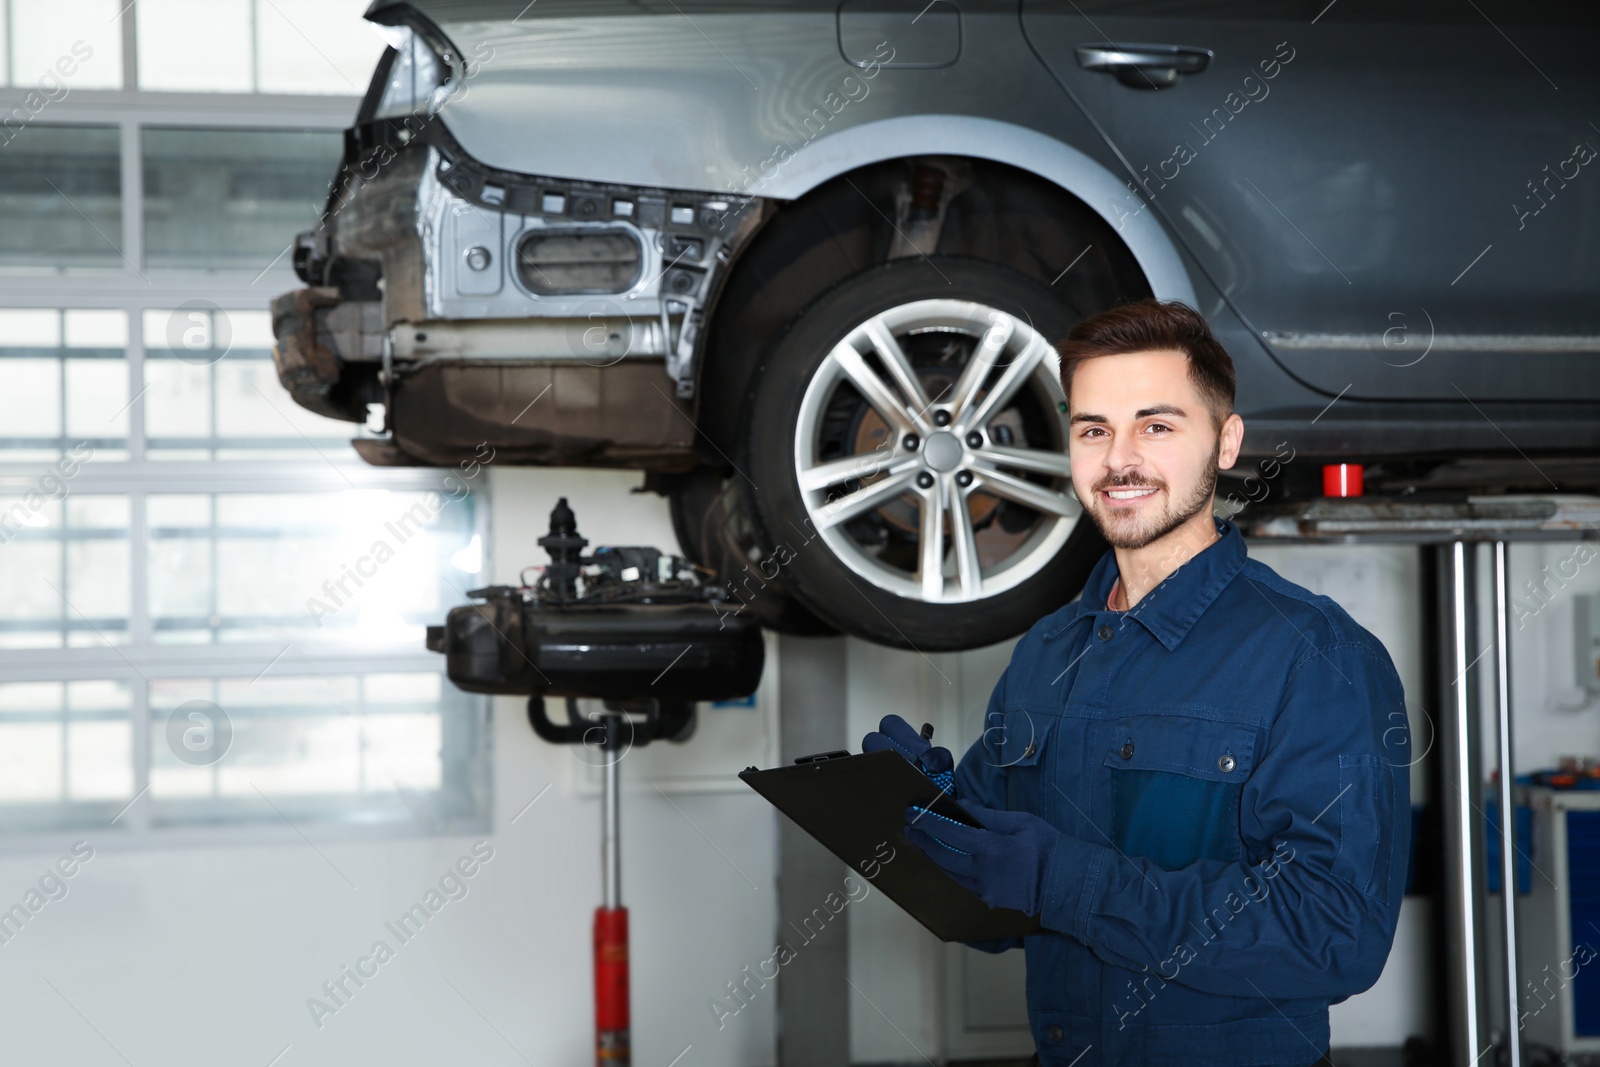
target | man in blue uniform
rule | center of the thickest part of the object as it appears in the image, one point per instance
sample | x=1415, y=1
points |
x=1194, y=774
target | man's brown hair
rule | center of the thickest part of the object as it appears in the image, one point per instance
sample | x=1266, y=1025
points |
x=1147, y=325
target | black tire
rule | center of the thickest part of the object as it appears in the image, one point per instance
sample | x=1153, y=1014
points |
x=748, y=579
x=851, y=582
x=689, y=497
x=714, y=532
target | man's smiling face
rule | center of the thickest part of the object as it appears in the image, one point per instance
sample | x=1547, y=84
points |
x=1144, y=449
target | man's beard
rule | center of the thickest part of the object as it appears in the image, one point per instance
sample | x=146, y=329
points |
x=1137, y=531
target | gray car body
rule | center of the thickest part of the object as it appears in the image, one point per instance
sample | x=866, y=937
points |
x=1365, y=210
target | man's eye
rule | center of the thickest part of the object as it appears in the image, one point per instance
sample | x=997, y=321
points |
x=1158, y=426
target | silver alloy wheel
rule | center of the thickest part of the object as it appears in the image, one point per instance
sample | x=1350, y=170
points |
x=941, y=451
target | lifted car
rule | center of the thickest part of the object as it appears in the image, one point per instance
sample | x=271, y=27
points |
x=803, y=262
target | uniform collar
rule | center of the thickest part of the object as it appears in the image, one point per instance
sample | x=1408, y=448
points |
x=1171, y=608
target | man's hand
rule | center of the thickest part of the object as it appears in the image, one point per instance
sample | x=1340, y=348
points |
x=896, y=735
x=1005, y=864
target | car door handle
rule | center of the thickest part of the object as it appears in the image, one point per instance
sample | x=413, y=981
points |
x=1144, y=66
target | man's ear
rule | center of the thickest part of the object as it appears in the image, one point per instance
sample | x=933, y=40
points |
x=1232, y=440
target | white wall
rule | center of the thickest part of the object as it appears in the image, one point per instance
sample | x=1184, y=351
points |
x=1553, y=717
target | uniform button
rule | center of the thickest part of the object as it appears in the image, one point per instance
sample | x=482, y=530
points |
x=1053, y=1033
x=1225, y=764
x=1031, y=749
x=1127, y=750
x=1105, y=631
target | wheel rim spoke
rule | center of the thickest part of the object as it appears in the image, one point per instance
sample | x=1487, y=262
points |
x=968, y=570
x=864, y=465
x=1032, y=460
x=977, y=369
x=1023, y=492
x=864, y=499
x=894, y=358
x=931, y=550
x=874, y=389
x=1011, y=380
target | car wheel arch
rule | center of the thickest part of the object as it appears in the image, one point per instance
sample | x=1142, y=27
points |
x=974, y=137
x=835, y=222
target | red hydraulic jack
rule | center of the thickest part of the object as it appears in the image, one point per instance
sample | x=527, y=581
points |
x=611, y=1047
x=613, y=733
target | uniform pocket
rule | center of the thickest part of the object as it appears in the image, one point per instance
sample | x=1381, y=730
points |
x=1175, y=786
x=1018, y=742
x=1365, y=788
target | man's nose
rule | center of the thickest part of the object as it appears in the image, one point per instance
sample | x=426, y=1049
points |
x=1123, y=457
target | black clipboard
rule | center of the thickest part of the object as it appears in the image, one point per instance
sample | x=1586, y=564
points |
x=853, y=804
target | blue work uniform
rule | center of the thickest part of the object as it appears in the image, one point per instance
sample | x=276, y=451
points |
x=1227, y=762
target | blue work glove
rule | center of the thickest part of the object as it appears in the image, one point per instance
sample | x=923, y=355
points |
x=1004, y=864
x=896, y=735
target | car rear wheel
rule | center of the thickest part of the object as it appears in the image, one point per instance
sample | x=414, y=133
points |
x=905, y=456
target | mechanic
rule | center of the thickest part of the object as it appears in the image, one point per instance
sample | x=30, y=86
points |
x=1195, y=774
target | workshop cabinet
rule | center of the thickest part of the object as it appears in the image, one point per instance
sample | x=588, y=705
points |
x=1559, y=923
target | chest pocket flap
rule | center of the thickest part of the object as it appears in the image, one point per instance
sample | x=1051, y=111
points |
x=1200, y=748
x=1018, y=737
